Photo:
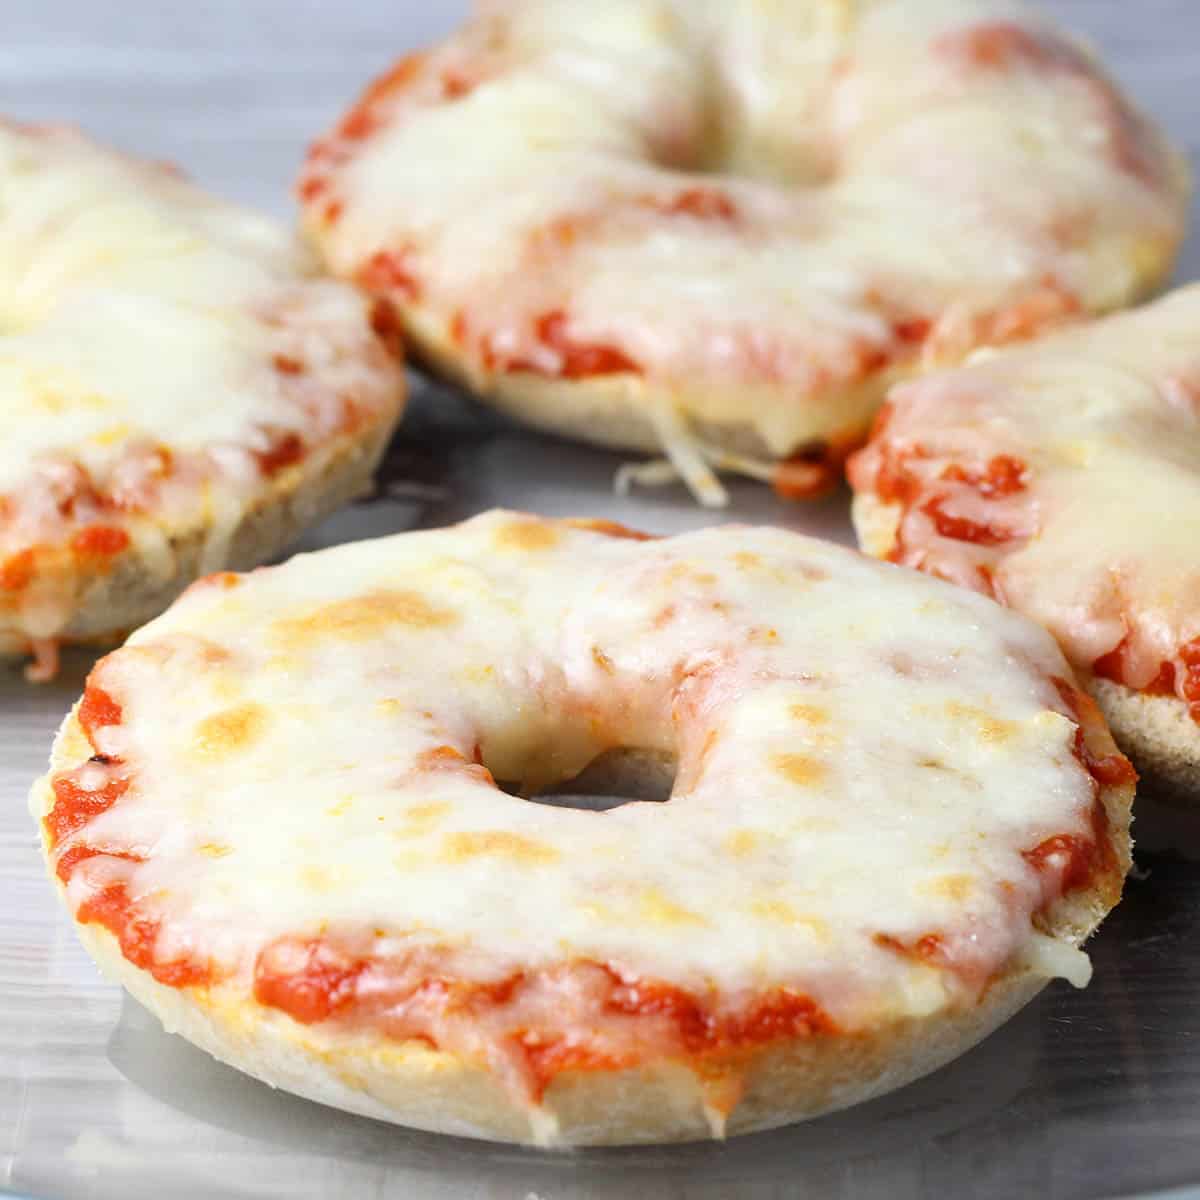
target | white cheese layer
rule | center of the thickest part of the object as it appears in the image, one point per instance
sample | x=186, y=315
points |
x=864, y=168
x=139, y=315
x=1106, y=420
x=864, y=755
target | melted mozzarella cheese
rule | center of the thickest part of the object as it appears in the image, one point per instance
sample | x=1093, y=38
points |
x=137, y=313
x=863, y=755
x=877, y=171
x=1106, y=418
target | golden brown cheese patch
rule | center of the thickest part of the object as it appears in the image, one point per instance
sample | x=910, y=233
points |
x=229, y=731
x=318, y=878
x=774, y=910
x=360, y=618
x=956, y=888
x=799, y=768
x=602, y=660
x=989, y=728
x=658, y=909
x=782, y=913
x=526, y=535
x=742, y=842
x=460, y=847
x=420, y=819
x=812, y=713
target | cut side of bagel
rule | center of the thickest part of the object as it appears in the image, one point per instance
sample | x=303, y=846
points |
x=181, y=389
x=275, y=819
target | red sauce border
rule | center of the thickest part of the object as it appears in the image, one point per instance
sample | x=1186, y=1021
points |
x=326, y=983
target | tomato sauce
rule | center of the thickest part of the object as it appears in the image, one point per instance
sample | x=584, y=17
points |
x=17, y=571
x=1004, y=46
x=285, y=364
x=326, y=985
x=929, y=949
x=1109, y=770
x=75, y=806
x=1003, y=476
x=111, y=906
x=392, y=271
x=1182, y=681
x=963, y=529
x=387, y=328
x=1073, y=857
x=610, y=528
x=913, y=331
x=100, y=541
x=814, y=472
x=447, y=758
x=1078, y=859
x=284, y=452
x=576, y=359
x=137, y=934
x=457, y=83
x=802, y=477
x=546, y=1057
x=323, y=986
x=706, y=204
x=1190, y=654
x=579, y=359
x=96, y=710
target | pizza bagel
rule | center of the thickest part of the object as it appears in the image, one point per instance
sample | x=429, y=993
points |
x=180, y=389
x=1063, y=478
x=718, y=230
x=275, y=817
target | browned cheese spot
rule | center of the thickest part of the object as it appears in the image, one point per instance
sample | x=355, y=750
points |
x=527, y=534
x=360, y=618
x=741, y=842
x=813, y=714
x=661, y=910
x=461, y=847
x=988, y=727
x=956, y=888
x=229, y=731
x=800, y=769
x=419, y=819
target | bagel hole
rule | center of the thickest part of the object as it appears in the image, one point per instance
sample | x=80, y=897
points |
x=612, y=779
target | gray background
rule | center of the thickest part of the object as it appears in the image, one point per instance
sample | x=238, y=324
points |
x=1093, y=1093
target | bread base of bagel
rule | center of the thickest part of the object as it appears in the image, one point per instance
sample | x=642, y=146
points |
x=411, y=1084
x=618, y=410
x=105, y=606
x=1156, y=732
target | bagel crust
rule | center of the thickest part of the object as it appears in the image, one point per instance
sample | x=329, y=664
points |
x=1063, y=478
x=181, y=391
x=721, y=229
x=274, y=817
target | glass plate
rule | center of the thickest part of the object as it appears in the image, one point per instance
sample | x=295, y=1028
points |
x=1084, y=1094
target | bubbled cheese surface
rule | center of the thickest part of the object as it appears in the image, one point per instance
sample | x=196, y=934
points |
x=1106, y=420
x=862, y=751
x=741, y=192
x=137, y=313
